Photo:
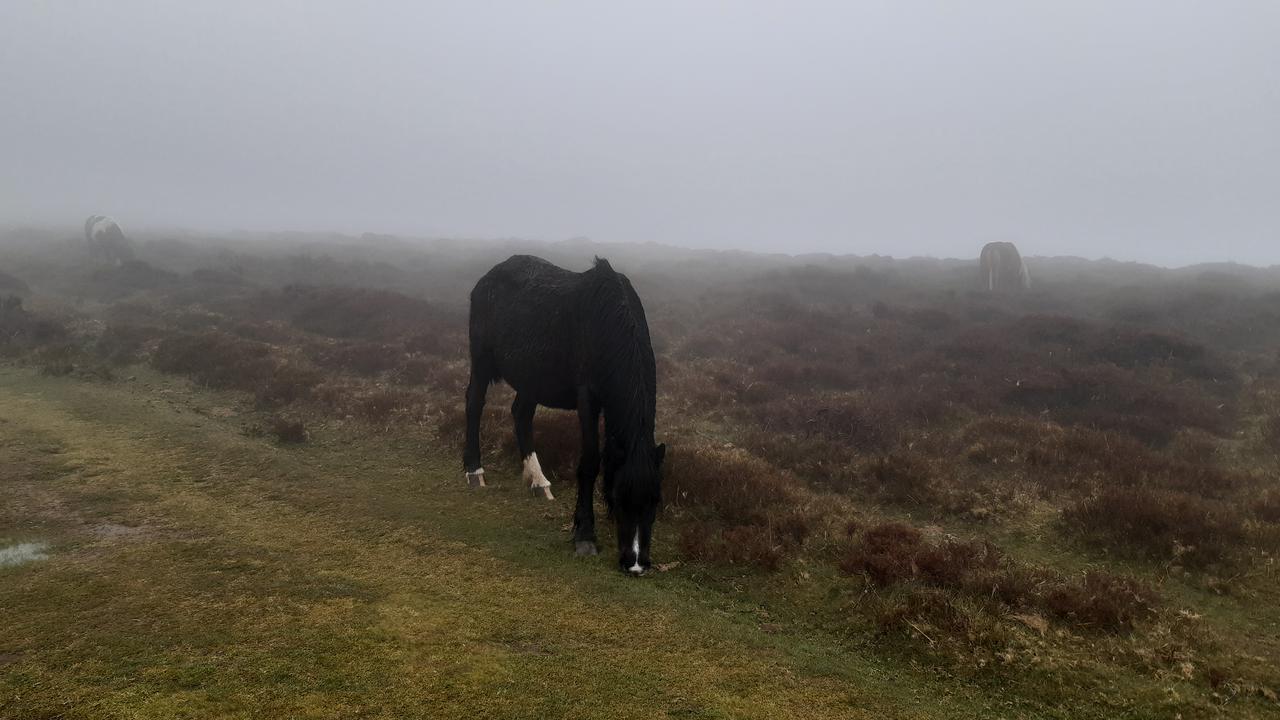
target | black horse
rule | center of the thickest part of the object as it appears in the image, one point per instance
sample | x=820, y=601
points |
x=573, y=341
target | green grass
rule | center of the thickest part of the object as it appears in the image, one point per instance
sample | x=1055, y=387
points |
x=195, y=571
x=351, y=578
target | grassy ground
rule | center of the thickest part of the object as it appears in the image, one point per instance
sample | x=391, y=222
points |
x=194, y=571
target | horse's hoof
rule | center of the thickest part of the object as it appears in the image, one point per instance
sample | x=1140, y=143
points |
x=476, y=479
x=585, y=548
x=543, y=491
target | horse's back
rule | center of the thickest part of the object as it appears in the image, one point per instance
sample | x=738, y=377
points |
x=522, y=326
x=521, y=287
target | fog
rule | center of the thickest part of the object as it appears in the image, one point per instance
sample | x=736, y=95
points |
x=1143, y=130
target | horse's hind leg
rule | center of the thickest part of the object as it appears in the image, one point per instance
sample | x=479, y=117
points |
x=522, y=411
x=584, y=517
x=476, y=389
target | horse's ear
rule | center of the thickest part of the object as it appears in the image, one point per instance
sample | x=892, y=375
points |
x=659, y=453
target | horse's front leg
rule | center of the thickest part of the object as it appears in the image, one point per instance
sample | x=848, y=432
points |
x=584, y=516
x=522, y=411
x=480, y=379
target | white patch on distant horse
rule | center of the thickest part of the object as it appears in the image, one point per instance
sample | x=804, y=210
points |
x=102, y=226
x=635, y=550
x=22, y=553
x=533, y=475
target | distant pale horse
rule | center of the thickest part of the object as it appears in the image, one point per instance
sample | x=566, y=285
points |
x=106, y=241
x=1002, y=268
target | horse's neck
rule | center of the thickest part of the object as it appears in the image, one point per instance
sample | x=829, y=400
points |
x=627, y=418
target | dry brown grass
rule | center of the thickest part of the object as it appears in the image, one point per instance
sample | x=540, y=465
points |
x=740, y=509
x=893, y=553
x=1162, y=524
x=221, y=360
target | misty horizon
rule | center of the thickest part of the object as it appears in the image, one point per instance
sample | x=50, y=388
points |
x=1140, y=133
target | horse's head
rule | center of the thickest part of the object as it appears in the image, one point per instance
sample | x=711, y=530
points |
x=634, y=498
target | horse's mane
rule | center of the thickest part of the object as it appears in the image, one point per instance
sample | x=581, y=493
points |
x=621, y=336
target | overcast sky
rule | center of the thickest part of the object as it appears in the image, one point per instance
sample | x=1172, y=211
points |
x=1144, y=130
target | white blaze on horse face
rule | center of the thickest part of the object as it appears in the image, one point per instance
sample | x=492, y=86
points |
x=635, y=550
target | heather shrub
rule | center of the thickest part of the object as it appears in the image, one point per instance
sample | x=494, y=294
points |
x=1162, y=524
x=359, y=358
x=215, y=358
x=1077, y=459
x=885, y=553
x=1100, y=600
x=891, y=554
x=123, y=344
x=901, y=478
x=738, y=509
x=21, y=330
x=287, y=431
x=222, y=360
x=130, y=277
x=353, y=313
x=732, y=486
x=853, y=420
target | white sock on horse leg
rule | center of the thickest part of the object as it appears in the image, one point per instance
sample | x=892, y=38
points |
x=533, y=475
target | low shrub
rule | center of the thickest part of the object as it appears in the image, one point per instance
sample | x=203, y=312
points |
x=123, y=344
x=22, y=331
x=352, y=313
x=383, y=403
x=1162, y=524
x=222, y=360
x=1100, y=600
x=901, y=478
x=893, y=553
x=287, y=431
x=360, y=358
x=743, y=545
x=886, y=553
x=731, y=485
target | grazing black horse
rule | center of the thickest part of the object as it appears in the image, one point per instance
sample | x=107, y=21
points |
x=573, y=341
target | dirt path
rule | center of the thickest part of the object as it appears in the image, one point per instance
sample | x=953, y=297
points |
x=193, y=571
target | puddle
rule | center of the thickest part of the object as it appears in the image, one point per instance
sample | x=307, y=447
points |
x=22, y=553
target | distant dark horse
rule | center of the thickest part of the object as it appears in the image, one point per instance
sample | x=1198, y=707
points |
x=573, y=341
